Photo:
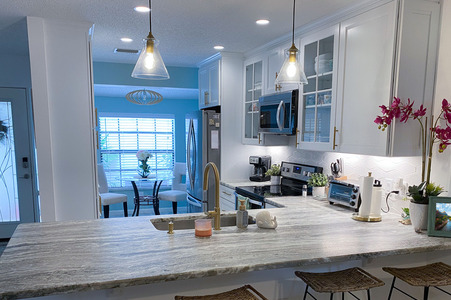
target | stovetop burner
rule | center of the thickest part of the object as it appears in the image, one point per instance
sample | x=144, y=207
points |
x=272, y=190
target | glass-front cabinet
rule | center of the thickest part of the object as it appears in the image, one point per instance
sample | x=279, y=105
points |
x=318, y=98
x=252, y=91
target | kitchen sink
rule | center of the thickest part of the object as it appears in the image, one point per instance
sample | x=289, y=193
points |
x=187, y=222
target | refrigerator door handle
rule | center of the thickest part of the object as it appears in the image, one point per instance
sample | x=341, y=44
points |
x=194, y=172
x=188, y=154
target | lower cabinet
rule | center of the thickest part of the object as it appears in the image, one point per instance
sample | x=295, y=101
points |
x=226, y=198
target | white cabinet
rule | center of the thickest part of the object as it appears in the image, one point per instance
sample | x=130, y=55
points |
x=253, y=86
x=219, y=78
x=317, y=101
x=209, y=84
x=226, y=198
x=385, y=52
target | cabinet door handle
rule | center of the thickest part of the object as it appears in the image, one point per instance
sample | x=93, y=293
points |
x=228, y=194
x=335, y=133
x=259, y=139
x=206, y=98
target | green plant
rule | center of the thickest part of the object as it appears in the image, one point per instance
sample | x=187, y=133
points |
x=406, y=212
x=273, y=171
x=420, y=194
x=317, y=179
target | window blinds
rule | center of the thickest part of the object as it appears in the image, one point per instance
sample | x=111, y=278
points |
x=122, y=137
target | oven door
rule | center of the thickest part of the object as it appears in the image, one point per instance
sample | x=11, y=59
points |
x=278, y=113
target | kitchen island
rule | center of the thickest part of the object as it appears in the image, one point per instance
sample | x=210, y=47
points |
x=112, y=255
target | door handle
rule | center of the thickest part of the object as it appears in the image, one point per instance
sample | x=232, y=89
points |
x=335, y=133
x=25, y=176
x=279, y=108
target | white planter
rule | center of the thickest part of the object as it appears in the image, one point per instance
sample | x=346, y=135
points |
x=419, y=216
x=275, y=180
x=318, y=191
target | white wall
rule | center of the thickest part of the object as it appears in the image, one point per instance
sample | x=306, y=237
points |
x=62, y=102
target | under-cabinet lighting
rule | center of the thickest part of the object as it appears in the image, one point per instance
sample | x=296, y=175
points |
x=218, y=47
x=126, y=40
x=142, y=9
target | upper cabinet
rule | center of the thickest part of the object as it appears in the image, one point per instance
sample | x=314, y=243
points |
x=387, y=51
x=318, y=97
x=219, y=77
x=209, y=84
x=253, y=87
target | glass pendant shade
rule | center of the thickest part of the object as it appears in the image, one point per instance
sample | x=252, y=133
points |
x=292, y=70
x=150, y=65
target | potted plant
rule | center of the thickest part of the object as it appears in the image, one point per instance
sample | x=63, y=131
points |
x=437, y=131
x=318, y=182
x=274, y=172
x=143, y=166
x=419, y=203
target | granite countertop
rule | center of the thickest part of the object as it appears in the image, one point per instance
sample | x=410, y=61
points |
x=63, y=257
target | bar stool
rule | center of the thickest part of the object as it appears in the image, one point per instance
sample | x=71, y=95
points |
x=246, y=292
x=436, y=274
x=348, y=280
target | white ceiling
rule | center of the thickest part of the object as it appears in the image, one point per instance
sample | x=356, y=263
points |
x=187, y=29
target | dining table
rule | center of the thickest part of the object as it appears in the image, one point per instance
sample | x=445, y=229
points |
x=152, y=182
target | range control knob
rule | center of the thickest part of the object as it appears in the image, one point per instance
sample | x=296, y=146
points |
x=353, y=196
x=355, y=190
x=352, y=203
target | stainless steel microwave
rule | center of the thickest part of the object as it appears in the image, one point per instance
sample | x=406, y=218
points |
x=278, y=113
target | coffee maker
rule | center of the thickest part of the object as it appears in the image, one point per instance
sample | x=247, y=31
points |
x=261, y=165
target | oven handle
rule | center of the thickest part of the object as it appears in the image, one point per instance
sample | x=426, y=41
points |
x=279, y=108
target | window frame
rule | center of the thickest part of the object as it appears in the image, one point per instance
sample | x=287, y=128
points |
x=124, y=183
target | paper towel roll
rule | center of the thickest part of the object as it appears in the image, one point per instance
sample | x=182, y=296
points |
x=376, y=199
x=366, y=191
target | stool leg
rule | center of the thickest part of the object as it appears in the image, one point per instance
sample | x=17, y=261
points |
x=305, y=293
x=426, y=293
x=368, y=293
x=106, y=211
x=342, y=296
x=331, y=296
x=125, y=209
x=391, y=289
x=174, y=207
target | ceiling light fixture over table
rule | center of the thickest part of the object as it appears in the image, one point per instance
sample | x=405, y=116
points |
x=150, y=65
x=144, y=97
x=292, y=71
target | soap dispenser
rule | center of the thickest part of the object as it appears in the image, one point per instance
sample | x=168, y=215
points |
x=241, y=216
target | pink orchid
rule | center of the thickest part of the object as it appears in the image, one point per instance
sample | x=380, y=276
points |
x=420, y=112
x=446, y=106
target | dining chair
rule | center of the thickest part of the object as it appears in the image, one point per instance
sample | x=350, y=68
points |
x=178, y=191
x=147, y=199
x=107, y=198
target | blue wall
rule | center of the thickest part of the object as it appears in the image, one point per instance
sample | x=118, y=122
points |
x=177, y=107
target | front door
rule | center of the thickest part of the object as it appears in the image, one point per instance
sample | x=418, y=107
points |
x=17, y=204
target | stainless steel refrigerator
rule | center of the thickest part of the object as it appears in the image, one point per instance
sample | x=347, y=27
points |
x=203, y=145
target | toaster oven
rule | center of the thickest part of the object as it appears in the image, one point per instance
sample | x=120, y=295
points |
x=344, y=193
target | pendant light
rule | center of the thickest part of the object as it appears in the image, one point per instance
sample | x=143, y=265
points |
x=292, y=70
x=150, y=65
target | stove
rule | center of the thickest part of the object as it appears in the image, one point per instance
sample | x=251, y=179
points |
x=294, y=176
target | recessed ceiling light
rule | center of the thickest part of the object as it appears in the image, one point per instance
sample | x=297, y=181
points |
x=142, y=9
x=219, y=47
x=262, y=22
x=126, y=40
